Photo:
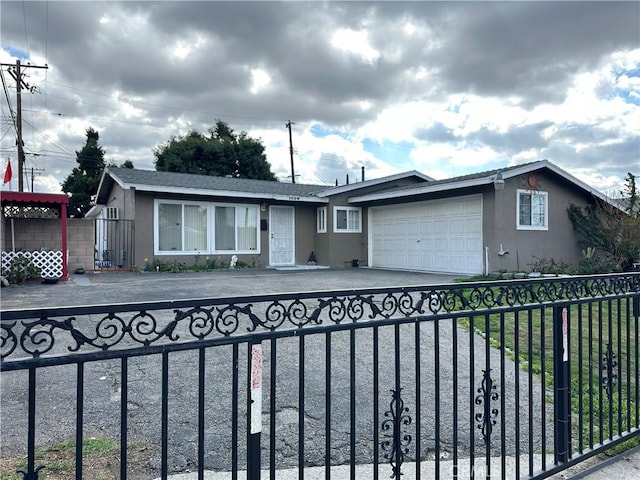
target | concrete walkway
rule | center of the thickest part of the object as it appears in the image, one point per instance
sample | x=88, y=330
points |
x=625, y=466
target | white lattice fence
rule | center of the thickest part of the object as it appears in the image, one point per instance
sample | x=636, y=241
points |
x=50, y=262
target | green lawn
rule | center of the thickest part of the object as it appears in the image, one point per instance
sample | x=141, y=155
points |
x=594, y=329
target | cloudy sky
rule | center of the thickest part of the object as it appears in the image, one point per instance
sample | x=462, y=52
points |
x=441, y=87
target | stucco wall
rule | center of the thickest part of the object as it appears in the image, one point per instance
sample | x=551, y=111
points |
x=143, y=236
x=339, y=249
x=305, y=222
x=305, y=218
x=124, y=201
x=524, y=246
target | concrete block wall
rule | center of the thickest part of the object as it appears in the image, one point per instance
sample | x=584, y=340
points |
x=33, y=234
x=80, y=241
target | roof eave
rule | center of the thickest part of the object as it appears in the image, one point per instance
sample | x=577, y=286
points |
x=369, y=183
x=442, y=187
x=225, y=193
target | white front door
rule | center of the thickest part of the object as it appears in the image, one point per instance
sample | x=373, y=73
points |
x=281, y=236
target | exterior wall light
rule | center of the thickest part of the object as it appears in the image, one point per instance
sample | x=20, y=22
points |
x=498, y=182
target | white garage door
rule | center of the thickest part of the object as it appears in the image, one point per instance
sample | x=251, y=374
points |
x=434, y=236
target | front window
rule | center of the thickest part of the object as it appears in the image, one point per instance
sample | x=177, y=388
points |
x=346, y=220
x=225, y=238
x=206, y=227
x=321, y=220
x=247, y=228
x=195, y=227
x=170, y=227
x=532, y=210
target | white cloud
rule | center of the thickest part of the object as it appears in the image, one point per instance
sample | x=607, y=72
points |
x=356, y=42
x=259, y=80
x=457, y=99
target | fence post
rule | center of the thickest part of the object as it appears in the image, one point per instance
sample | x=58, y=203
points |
x=561, y=386
x=255, y=432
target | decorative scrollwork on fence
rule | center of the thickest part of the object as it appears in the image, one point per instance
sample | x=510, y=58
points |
x=487, y=393
x=397, y=441
x=152, y=322
x=31, y=474
x=609, y=371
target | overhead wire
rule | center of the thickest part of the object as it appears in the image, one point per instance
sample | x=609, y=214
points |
x=19, y=81
x=46, y=72
x=6, y=94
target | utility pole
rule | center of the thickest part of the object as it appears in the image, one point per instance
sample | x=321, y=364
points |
x=18, y=76
x=293, y=176
x=34, y=172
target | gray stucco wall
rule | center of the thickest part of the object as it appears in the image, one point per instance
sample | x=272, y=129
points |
x=339, y=249
x=305, y=222
x=559, y=242
x=305, y=218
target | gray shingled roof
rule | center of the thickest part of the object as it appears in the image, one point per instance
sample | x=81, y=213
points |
x=152, y=178
x=463, y=178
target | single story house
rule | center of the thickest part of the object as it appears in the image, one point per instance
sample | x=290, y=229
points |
x=495, y=220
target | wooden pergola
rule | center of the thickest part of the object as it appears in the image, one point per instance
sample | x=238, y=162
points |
x=38, y=205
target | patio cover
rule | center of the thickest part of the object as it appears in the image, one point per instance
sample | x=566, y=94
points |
x=42, y=200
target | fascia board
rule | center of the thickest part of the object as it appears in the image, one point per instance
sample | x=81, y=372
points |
x=443, y=187
x=484, y=181
x=94, y=211
x=560, y=172
x=225, y=193
x=103, y=179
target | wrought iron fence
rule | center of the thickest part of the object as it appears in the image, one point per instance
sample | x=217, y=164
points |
x=518, y=379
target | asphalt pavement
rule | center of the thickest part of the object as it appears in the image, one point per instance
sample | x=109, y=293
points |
x=128, y=287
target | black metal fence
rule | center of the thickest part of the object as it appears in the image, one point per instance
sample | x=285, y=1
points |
x=517, y=379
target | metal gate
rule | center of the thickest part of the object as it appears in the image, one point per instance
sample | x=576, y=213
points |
x=114, y=244
x=518, y=379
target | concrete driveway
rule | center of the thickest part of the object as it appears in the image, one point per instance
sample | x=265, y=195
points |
x=125, y=287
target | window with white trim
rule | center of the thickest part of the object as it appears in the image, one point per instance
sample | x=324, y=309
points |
x=347, y=220
x=187, y=227
x=321, y=220
x=532, y=210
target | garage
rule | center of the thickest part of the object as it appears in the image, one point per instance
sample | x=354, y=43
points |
x=432, y=236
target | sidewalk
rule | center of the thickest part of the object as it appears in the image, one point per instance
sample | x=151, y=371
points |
x=625, y=466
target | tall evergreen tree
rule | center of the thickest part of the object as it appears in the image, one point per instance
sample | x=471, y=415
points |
x=82, y=183
x=223, y=152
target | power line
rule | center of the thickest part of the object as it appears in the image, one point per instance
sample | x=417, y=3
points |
x=18, y=76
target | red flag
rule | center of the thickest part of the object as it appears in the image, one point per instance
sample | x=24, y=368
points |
x=7, y=173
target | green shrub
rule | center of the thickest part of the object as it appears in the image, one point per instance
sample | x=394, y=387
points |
x=549, y=265
x=591, y=262
x=21, y=270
